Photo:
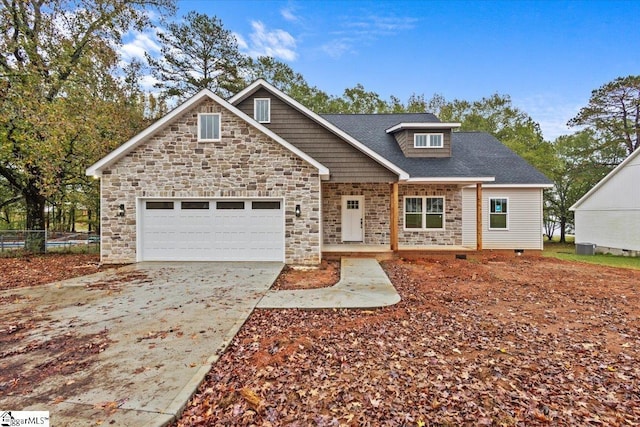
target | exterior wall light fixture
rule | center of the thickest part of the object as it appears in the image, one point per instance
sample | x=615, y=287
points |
x=298, y=211
x=121, y=210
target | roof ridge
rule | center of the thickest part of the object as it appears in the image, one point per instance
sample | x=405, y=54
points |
x=373, y=114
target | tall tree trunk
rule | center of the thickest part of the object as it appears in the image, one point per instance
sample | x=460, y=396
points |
x=72, y=219
x=35, y=203
x=563, y=227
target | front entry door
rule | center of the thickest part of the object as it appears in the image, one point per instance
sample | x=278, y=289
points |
x=352, y=218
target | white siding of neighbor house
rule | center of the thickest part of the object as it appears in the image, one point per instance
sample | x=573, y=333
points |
x=610, y=216
x=525, y=218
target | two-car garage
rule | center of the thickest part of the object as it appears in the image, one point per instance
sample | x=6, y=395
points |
x=211, y=230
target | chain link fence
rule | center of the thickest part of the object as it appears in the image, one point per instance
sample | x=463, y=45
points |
x=34, y=240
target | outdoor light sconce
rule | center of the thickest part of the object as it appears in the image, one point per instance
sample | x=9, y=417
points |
x=121, y=210
x=298, y=211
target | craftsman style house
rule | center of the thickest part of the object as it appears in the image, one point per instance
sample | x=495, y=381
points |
x=261, y=177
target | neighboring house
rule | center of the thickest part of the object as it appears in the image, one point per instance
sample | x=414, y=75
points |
x=609, y=214
x=261, y=177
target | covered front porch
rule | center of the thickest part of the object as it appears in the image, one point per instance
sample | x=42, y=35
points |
x=385, y=252
x=369, y=219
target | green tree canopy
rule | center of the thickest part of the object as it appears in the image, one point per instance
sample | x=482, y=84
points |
x=61, y=108
x=197, y=54
x=574, y=170
x=283, y=77
x=497, y=115
x=614, y=113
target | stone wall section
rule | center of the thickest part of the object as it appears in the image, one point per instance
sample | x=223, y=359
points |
x=245, y=163
x=452, y=233
x=377, y=205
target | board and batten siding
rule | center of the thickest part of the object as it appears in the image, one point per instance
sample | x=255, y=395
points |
x=610, y=217
x=345, y=162
x=525, y=218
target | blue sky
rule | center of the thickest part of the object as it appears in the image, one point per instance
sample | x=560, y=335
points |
x=547, y=55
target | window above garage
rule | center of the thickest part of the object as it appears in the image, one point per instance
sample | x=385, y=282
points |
x=208, y=127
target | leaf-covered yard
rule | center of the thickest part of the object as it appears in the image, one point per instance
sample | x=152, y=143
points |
x=494, y=341
x=33, y=270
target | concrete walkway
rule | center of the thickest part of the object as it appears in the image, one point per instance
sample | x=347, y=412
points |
x=363, y=284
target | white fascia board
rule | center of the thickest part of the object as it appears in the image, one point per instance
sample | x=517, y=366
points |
x=600, y=183
x=519, y=185
x=431, y=125
x=403, y=175
x=247, y=91
x=450, y=179
x=96, y=168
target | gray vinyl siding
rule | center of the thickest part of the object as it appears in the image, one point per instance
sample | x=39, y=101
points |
x=345, y=163
x=405, y=140
x=524, y=220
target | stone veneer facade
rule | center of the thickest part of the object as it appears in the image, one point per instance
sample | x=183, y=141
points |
x=452, y=233
x=377, y=205
x=245, y=163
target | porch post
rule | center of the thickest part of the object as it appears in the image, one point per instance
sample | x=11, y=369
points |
x=479, y=216
x=394, y=216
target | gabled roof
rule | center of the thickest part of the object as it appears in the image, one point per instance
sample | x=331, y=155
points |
x=111, y=158
x=474, y=155
x=604, y=180
x=355, y=142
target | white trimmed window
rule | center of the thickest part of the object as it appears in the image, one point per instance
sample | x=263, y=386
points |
x=428, y=140
x=424, y=213
x=262, y=110
x=209, y=127
x=498, y=213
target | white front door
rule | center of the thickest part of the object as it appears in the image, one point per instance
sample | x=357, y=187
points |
x=352, y=218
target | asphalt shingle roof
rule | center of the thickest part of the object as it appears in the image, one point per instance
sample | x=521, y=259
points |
x=474, y=154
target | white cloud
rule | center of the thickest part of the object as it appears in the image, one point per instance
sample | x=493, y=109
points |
x=138, y=44
x=337, y=47
x=382, y=25
x=551, y=112
x=355, y=31
x=147, y=83
x=276, y=43
x=287, y=14
x=242, y=43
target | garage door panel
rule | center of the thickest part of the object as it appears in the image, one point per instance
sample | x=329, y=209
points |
x=224, y=230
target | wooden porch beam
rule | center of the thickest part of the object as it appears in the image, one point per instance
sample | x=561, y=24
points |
x=394, y=216
x=479, y=216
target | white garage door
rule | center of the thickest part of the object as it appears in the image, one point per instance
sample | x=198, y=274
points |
x=212, y=230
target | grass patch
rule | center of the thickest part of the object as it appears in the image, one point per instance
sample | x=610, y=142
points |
x=567, y=252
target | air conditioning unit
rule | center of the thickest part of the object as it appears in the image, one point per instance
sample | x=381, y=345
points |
x=585, y=248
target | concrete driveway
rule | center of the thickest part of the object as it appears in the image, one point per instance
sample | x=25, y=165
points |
x=165, y=323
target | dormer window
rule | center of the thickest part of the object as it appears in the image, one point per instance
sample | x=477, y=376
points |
x=208, y=127
x=262, y=110
x=428, y=140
